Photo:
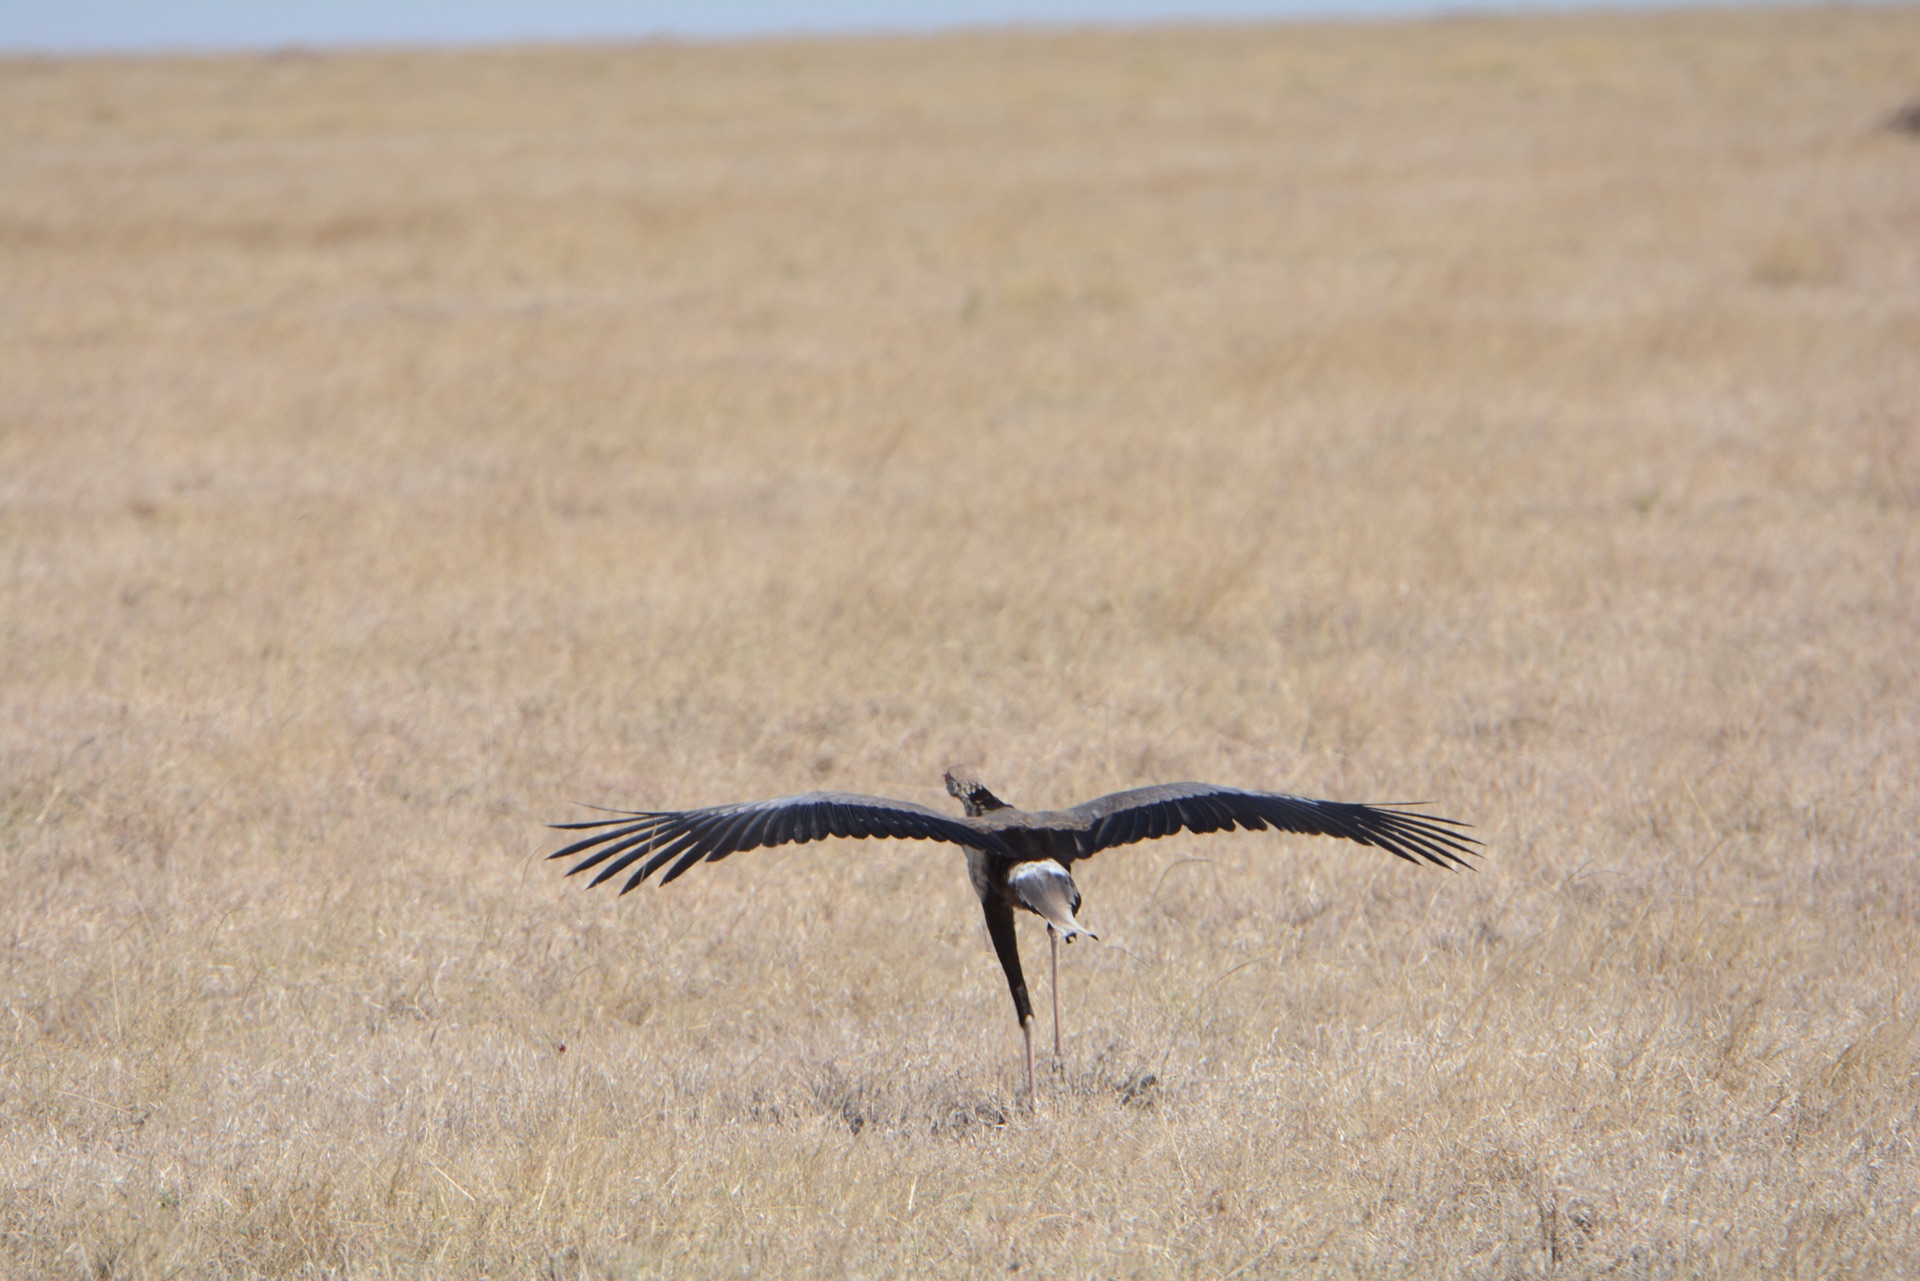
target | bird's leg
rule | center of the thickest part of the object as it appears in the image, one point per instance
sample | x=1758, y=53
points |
x=1006, y=945
x=1033, y=1088
x=1053, y=939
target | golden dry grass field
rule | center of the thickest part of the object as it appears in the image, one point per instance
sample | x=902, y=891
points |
x=1517, y=414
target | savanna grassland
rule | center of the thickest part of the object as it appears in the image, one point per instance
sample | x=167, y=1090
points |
x=1521, y=415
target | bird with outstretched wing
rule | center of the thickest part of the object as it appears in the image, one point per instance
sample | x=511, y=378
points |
x=1017, y=859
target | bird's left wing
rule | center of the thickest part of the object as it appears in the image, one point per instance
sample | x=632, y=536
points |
x=684, y=837
x=1147, y=812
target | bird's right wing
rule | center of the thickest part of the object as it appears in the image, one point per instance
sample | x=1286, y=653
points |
x=684, y=837
x=1147, y=812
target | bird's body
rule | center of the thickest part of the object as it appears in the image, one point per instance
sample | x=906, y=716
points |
x=1017, y=860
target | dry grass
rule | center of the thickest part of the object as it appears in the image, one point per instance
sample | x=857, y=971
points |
x=1520, y=414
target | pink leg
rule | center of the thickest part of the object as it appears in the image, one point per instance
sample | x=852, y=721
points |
x=1053, y=937
x=1033, y=1088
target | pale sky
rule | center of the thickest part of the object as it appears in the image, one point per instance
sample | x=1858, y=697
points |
x=93, y=25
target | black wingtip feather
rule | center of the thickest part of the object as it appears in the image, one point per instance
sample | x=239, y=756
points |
x=617, y=836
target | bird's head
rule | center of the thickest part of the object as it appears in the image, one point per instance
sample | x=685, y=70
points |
x=964, y=783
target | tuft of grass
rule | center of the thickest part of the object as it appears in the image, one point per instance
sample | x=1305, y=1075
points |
x=1514, y=414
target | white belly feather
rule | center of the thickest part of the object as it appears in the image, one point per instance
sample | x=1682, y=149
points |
x=1044, y=887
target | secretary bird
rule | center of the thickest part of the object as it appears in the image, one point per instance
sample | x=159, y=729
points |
x=1015, y=858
